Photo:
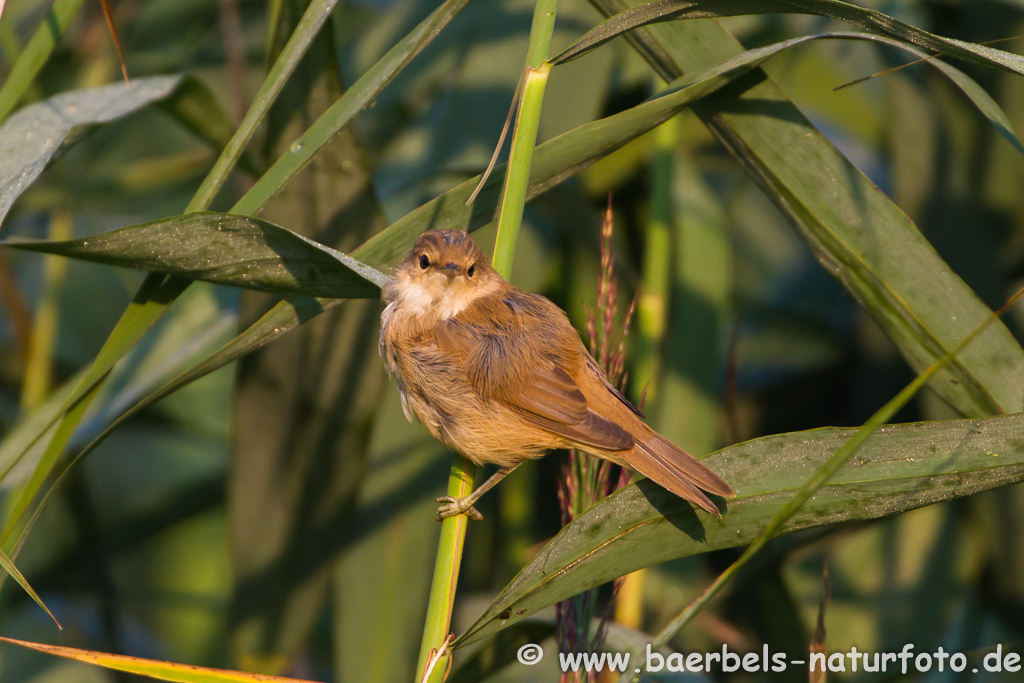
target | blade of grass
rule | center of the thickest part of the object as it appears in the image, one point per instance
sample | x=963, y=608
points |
x=8, y=566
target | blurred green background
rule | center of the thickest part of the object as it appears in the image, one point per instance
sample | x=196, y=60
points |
x=278, y=514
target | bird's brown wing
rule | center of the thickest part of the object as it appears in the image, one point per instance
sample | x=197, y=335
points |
x=516, y=351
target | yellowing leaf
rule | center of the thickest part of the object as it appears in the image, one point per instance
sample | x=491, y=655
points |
x=164, y=671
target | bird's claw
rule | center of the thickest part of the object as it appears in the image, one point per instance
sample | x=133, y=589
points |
x=456, y=506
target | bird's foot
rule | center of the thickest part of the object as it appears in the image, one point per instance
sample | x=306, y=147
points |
x=457, y=506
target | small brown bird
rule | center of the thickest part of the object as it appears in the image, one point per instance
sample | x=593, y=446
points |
x=501, y=376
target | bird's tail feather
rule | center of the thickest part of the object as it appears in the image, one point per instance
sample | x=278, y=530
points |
x=678, y=471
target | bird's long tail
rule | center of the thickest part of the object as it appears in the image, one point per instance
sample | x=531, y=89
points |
x=676, y=470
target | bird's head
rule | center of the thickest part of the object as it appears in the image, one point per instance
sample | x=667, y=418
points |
x=444, y=273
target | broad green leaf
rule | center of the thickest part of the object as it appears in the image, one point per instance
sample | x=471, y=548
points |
x=224, y=249
x=35, y=135
x=151, y=668
x=901, y=468
x=867, y=19
x=853, y=229
x=36, y=52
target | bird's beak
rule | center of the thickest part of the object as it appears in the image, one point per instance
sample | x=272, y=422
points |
x=451, y=270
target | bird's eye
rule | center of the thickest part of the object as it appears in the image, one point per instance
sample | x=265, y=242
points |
x=471, y=270
x=424, y=262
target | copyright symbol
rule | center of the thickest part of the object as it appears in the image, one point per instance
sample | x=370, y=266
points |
x=530, y=654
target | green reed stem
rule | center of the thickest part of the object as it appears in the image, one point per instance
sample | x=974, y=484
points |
x=524, y=139
x=460, y=482
x=446, y=572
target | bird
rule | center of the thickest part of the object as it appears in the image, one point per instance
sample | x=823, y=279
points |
x=501, y=376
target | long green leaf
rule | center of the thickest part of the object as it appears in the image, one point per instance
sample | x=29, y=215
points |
x=227, y=250
x=36, y=134
x=901, y=468
x=867, y=19
x=853, y=229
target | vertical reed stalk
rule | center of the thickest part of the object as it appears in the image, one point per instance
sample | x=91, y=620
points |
x=434, y=658
x=517, y=180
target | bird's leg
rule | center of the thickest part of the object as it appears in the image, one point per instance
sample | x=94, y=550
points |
x=458, y=506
